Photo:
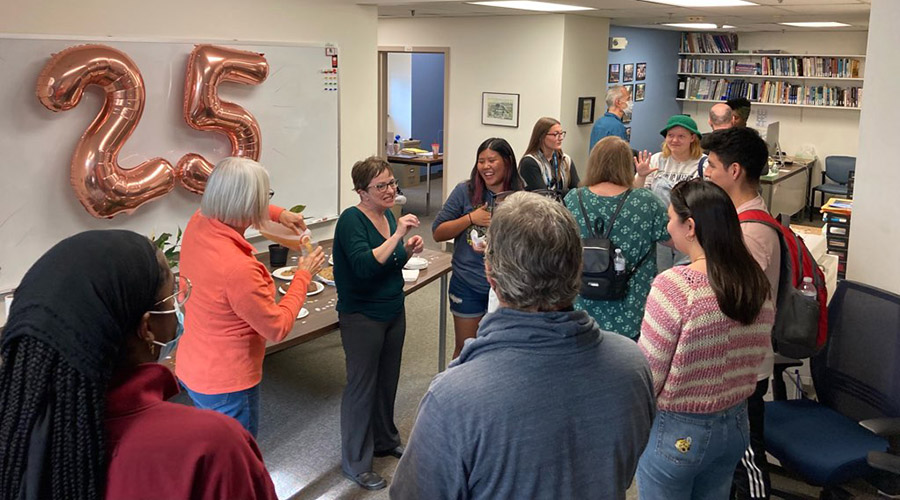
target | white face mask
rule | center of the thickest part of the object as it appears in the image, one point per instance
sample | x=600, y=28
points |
x=628, y=107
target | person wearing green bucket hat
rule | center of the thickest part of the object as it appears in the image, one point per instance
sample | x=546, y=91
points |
x=681, y=159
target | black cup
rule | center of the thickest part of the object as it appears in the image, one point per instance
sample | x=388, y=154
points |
x=277, y=255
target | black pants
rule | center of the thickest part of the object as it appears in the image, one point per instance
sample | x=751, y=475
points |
x=751, y=477
x=373, y=350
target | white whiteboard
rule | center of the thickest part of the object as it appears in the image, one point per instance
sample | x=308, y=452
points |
x=297, y=115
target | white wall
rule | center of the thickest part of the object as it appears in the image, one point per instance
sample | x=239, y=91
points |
x=584, y=75
x=875, y=231
x=399, y=95
x=511, y=54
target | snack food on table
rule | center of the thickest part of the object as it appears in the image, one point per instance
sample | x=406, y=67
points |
x=327, y=273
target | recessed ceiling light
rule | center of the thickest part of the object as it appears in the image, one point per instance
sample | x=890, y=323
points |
x=816, y=24
x=536, y=6
x=703, y=3
x=692, y=26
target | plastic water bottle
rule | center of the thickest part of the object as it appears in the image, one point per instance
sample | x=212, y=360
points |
x=619, y=262
x=807, y=288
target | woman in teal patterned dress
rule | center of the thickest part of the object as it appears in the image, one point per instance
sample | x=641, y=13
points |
x=639, y=226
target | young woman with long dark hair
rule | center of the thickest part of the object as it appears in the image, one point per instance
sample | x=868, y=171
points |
x=545, y=166
x=706, y=328
x=469, y=207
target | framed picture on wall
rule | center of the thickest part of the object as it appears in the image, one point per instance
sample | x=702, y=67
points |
x=641, y=72
x=613, y=73
x=586, y=110
x=639, y=91
x=628, y=72
x=500, y=109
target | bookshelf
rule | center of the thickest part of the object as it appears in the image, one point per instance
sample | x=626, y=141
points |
x=711, y=68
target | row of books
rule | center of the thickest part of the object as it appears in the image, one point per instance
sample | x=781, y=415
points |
x=718, y=66
x=721, y=43
x=770, y=92
x=717, y=89
x=819, y=67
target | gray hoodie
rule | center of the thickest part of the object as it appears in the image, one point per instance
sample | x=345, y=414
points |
x=539, y=405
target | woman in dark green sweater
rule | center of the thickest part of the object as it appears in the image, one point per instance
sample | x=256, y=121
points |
x=369, y=254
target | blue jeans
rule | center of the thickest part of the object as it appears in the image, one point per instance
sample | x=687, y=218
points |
x=692, y=455
x=242, y=406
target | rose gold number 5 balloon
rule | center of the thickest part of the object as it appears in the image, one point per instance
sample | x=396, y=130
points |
x=208, y=66
x=101, y=185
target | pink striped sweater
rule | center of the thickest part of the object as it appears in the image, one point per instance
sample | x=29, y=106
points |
x=702, y=361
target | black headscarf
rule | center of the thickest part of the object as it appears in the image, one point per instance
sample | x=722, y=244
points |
x=85, y=295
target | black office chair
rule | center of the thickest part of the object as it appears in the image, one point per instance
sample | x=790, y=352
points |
x=853, y=431
x=837, y=169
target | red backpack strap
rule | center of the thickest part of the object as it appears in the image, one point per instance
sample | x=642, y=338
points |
x=760, y=216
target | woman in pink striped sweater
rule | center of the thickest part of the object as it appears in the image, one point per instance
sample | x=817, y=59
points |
x=706, y=328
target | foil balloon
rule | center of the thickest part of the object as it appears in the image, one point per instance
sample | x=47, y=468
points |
x=102, y=187
x=208, y=66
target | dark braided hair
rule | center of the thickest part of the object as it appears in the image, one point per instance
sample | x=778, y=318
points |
x=56, y=363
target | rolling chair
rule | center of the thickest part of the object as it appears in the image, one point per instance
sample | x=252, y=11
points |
x=837, y=169
x=853, y=431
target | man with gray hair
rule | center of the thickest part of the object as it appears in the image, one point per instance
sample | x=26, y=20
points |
x=618, y=103
x=720, y=116
x=542, y=403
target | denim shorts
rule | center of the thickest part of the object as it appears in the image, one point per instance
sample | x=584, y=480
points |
x=464, y=301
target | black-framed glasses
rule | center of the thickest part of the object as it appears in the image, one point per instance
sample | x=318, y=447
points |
x=182, y=294
x=383, y=186
x=271, y=193
x=558, y=135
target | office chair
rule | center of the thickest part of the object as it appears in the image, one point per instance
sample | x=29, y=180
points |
x=828, y=442
x=837, y=169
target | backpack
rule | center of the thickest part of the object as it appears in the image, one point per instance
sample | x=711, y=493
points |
x=801, y=323
x=599, y=279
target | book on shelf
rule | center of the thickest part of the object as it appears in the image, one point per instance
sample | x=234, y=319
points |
x=767, y=92
x=840, y=206
x=711, y=43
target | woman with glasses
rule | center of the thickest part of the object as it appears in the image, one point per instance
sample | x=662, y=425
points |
x=82, y=399
x=467, y=209
x=706, y=328
x=545, y=167
x=233, y=310
x=369, y=255
x=636, y=227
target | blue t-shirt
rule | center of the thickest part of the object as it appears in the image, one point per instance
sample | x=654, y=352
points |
x=468, y=265
x=608, y=124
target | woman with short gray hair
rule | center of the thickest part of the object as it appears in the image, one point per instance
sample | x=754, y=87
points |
x=233, y=311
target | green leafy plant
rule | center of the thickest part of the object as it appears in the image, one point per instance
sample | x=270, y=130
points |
x=172, y=250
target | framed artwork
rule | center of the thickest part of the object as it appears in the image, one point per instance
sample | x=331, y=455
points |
x=613, y=73
x=641, y=72
x=500, y=109
x=628, y=134
x=586, y=110
x=639, y=91
x=628, y=72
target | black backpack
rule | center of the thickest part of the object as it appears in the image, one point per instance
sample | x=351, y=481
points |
x=599, y=279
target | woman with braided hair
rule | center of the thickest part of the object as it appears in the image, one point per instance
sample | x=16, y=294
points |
x=82, y=402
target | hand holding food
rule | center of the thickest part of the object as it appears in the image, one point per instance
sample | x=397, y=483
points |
x=481, y=217
x=312, y=262
x=479, y=243
x=414, y=245
x=292, y=221
x=405, y=223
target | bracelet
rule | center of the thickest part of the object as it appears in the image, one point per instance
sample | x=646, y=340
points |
x=470, y=219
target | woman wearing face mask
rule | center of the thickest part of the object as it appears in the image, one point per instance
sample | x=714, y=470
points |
x=468, y=208
x=545, y=166
x=233, y=311
x=82, y=402
x=681, y=159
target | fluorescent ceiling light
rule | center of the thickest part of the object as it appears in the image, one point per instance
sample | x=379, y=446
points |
x=825, y=24
x=727, y=27
x=692, y=26
x=704, y=3
x=536, y=6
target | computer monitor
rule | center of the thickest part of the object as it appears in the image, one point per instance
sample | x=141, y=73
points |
x=772, y=139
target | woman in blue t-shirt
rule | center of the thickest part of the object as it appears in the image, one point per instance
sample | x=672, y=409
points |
x=469, y=208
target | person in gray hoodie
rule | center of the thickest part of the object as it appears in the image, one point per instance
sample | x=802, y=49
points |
x=542, y=403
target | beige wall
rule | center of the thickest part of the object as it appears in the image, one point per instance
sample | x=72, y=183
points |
x=875, y=230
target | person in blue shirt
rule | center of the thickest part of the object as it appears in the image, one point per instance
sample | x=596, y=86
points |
x=469, y=208
x=618, y=102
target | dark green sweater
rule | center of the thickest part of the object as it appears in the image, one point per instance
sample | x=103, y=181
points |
x=363, y=285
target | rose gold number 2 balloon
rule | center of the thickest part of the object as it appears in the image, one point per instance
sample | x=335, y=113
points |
x=101, y=185
x=208, y=66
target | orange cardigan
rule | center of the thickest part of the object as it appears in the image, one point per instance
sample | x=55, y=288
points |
x=231, y=311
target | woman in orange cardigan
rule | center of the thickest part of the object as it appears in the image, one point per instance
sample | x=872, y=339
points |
x=233, y=311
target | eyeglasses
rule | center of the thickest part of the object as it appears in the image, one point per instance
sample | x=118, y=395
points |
x=182, y=294
x=383, y=186
x=271, y=193
x=558, y=135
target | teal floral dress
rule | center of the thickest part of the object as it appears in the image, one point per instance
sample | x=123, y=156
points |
x=638, y=227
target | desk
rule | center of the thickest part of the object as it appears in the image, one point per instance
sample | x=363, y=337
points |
x=422, y=161
x=323, y=317
x=788, y=192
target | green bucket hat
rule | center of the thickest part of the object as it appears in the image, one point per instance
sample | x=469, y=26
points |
x=681, y=121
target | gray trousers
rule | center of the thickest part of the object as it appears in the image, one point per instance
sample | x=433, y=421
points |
x=373, y=350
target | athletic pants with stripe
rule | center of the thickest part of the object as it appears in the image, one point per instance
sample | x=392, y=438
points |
x=751, y=477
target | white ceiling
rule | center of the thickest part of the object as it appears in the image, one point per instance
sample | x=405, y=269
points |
x=638, y=13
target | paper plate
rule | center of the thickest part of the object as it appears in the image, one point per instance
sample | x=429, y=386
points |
x=285, y=273
x=327, y=281
x=304, y=312
x=416, y=263
x=319, y=289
